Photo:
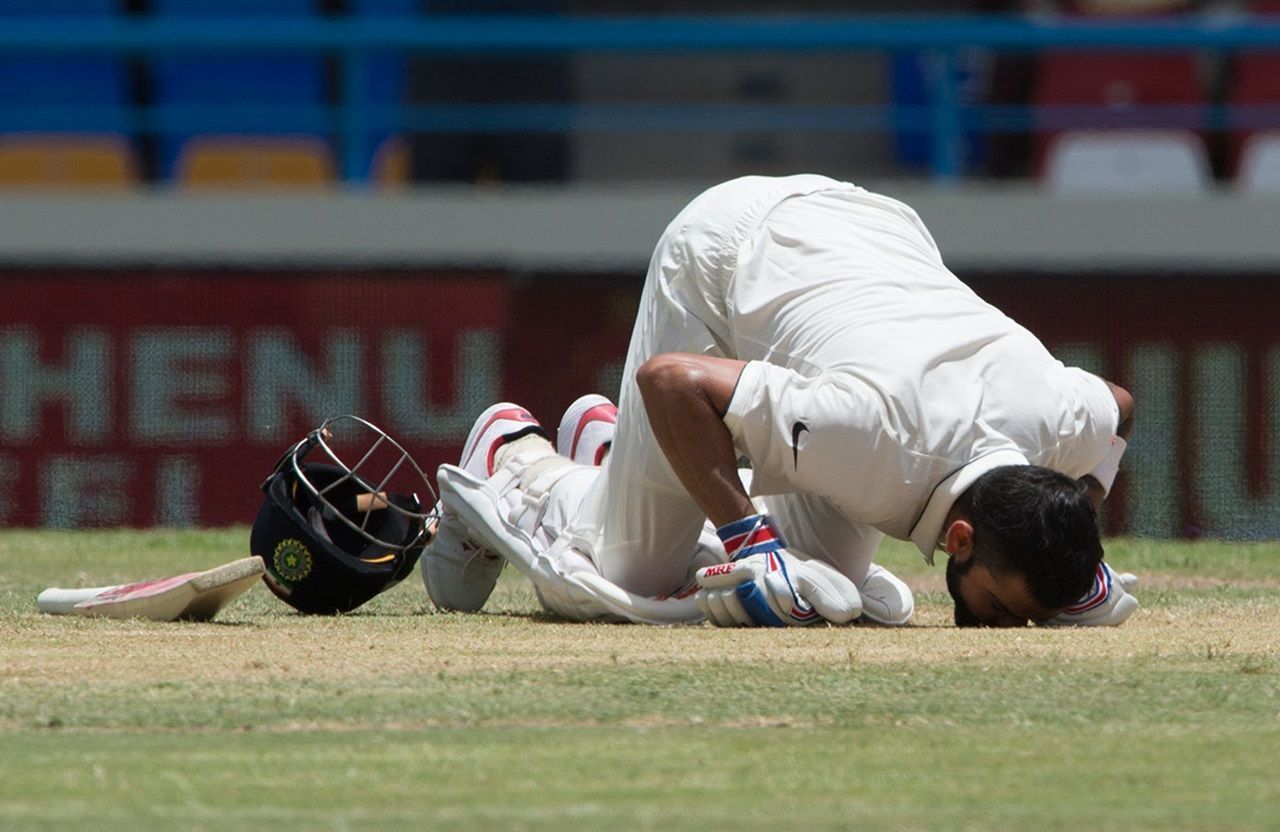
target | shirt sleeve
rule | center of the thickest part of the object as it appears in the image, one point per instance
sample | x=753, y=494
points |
x=1097, y=418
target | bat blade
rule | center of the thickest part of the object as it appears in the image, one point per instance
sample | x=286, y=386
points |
x=194, y=596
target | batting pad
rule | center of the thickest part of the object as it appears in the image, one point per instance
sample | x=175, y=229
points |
x=577, y=594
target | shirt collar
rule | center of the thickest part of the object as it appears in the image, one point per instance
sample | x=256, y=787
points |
x=928, y=529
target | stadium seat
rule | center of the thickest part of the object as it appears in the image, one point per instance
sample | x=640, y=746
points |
x=63, y=82
x=60, y=160
x=1112, y=84
x=390, y=167
x=59, y=95
x=912, y=87
x=249, y=161
x=1252, y=83
x=385, y=89
x=1117, y=81
x=1260, y=164
x=60, y=80
x=211, y=9
x=262, y=93
x=1255, y=82
x=1126, y=8
x=385, y=8
x=59, y=8
x=1127, y=163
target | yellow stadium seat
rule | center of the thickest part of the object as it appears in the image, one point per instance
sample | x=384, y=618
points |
x=254, y=162
x=391, y=162
x=66, y=160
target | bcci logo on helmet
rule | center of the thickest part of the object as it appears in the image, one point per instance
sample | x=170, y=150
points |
x=291, y=560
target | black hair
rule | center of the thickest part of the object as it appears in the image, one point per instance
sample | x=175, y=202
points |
x=964, y=616
x=1037, y=523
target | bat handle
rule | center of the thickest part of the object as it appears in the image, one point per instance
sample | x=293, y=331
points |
x=56, y=601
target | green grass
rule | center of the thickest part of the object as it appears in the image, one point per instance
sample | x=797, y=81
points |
x=401, y=718
x=705, y=777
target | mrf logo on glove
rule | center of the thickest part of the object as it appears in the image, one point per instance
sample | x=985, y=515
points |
x=718, y=570
x=763, y=585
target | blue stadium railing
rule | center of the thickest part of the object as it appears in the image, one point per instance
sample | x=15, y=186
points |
x=355, y=41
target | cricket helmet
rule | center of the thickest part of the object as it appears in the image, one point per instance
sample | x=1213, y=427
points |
x=342, y=520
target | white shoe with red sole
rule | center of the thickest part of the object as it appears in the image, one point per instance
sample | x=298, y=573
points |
x=499, y=424
x=586, y=429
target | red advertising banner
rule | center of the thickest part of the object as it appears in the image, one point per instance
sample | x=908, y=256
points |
x=164, y=397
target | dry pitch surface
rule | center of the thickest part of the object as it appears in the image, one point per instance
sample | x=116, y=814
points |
x=256, y=641
x=398, y=717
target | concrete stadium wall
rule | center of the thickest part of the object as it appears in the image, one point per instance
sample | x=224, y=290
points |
x=590, y=229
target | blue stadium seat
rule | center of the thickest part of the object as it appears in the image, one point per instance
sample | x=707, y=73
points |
x=386, y=8
x=59, y=8
x=911, y=87
x=265, y=93
x=386, y=73
x=62, y=81
x=385, y=81
x=233, y=8
x=59, y=82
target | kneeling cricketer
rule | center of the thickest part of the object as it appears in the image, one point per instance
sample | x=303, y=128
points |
x=811, y=327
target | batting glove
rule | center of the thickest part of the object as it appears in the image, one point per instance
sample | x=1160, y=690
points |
x=1108, y=603
x=764, y=585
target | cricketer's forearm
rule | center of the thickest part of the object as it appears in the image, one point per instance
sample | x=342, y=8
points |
x=685, y=397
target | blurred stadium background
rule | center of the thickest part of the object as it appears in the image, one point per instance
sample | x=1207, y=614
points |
x=223, y=220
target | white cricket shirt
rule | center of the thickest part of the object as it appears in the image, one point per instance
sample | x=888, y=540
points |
x=881, y=382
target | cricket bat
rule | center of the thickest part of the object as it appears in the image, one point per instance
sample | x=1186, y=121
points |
x=195, y=596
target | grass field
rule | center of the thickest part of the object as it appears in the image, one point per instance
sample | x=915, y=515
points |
x=396, y=717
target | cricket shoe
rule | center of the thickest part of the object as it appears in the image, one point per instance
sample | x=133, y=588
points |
x=459, y=572
x=587, y=428
x=501, y=423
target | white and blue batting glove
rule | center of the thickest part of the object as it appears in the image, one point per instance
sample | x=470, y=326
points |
x=764, y=585
x=1107, y=604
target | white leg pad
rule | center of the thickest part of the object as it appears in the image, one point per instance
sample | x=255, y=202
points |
x=566, y=582
x=637, y=608
x=484, y=511
x=885, y=598
x=526, y=471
